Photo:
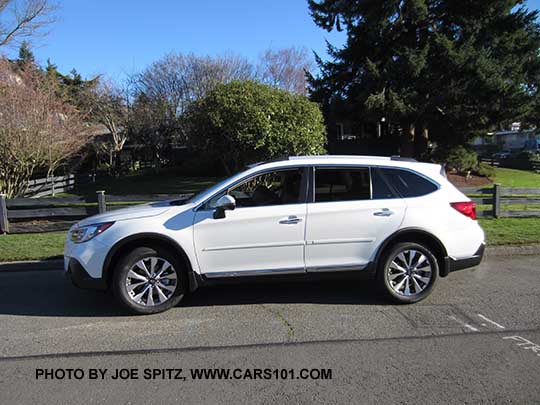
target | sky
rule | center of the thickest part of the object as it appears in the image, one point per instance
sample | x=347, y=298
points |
x=117, y=38
x=121, y=37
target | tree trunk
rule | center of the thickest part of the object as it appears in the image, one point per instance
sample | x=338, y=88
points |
x=407, y=141
x=117, y=163
x=421, y=143
x=225, y=166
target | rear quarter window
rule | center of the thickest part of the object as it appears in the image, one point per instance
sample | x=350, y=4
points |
x=408, y=184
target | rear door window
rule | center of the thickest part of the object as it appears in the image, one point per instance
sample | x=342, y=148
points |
x=342, y=184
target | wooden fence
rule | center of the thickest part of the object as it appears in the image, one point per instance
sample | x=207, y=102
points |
x=491, y=161
x=22, y=215
x=505, y=202
x=511, y=163
x=25, y=215
x=49, y=186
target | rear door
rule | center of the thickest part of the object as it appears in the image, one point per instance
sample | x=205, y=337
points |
x=350, y=211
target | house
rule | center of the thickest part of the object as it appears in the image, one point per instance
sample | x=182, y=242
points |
x=511, y=140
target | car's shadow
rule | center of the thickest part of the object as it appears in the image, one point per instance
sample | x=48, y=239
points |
x=48, y=293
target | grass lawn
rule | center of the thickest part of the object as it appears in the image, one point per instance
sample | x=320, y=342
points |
x=505, y=177
x=516, y=178
x=31, y=246
x=504, y=231
x=165, y=182
x=511, y=231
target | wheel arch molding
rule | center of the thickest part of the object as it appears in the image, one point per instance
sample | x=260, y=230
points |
x=147, y=239
x=417, y=235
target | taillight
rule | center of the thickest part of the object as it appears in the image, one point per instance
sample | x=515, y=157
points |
x=467, y=208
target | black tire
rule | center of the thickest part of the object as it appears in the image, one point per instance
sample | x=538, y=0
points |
x=385, y=273
x=120, y=275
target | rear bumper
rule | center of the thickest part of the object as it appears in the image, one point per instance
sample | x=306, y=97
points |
x=451, y=264
x=80, y=277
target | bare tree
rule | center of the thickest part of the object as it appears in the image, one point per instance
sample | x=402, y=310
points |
x=168, y=86
x=37, y=129
x=109, y=106
x=176, y=80
x=285, y=69
x=20, y=19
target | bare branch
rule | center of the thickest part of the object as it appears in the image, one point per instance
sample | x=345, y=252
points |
x=21, y=19
x=285, y=69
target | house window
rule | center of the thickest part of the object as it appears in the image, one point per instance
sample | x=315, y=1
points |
x=344, y=131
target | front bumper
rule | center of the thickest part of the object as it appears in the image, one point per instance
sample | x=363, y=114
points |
x=80, y=277
x=451, y=264
x=91, y=255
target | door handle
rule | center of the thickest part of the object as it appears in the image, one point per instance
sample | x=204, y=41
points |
x=384, y=213
x=290, y=220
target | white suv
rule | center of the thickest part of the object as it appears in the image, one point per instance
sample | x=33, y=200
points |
x=394, y=219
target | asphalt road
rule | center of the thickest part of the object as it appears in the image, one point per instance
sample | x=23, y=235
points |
x=475, y=340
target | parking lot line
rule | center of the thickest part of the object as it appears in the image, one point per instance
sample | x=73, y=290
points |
x=470, y=327
x=485, y=318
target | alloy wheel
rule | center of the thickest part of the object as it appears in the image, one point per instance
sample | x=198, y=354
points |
x=409, y=273
x=151, y=281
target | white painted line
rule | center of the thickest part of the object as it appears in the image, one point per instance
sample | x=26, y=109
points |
x=525, y=344
x=464, y=324
x=498, y=325
x=471, y=327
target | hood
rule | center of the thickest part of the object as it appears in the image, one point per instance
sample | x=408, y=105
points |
x=135, y=212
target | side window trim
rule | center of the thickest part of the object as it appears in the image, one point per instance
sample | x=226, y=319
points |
x=370, y=184
x=303, y=186
x=380, y=173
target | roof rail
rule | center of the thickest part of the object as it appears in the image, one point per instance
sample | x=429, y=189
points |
x=252, y=165
x=339, y=157
x=403, y=159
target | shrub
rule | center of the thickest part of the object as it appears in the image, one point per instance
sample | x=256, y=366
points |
x=247, y=122
x=485, y=170
x=528, y=155
x=460, y=159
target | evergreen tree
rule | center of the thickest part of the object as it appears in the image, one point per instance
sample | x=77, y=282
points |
x=72, y=87
x=51, y=70
x=26, y=56
x=440, y=69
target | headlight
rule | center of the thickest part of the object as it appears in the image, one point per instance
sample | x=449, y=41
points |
x=85, y=233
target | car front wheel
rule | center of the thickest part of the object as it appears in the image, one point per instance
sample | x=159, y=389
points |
x=408, y=272
x=149, y=280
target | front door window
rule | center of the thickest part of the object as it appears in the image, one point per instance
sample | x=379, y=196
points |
x=271, y=188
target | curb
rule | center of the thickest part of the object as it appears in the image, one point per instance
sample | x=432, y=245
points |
x=32, y=265
x=58, y=264
x=512, y=250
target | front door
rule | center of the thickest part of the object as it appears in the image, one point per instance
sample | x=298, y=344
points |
x=265, y=234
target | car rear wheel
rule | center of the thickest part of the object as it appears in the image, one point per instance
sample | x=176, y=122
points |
x=149, y=280
x=408, y=272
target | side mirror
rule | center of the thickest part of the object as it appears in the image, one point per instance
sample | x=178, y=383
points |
x=223, y=204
